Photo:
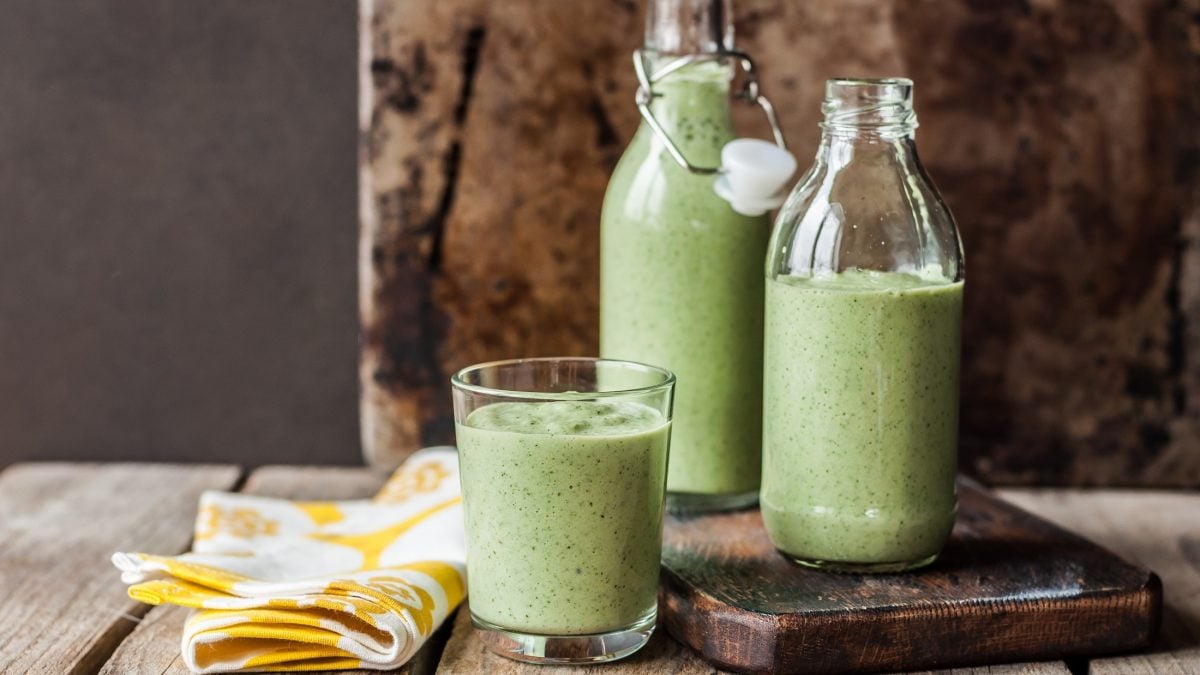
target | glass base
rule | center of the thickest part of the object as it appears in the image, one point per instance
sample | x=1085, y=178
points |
x=680, y=503
x=861, y=568
x=593, y=648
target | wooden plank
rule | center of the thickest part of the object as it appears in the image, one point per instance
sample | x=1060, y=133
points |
x=314, y=482
x=64, y=608
x=466, y=655
x=1166, y=662
x=1043, y=668
x=1008, y=587
x=1160, y=530
x=154, y=645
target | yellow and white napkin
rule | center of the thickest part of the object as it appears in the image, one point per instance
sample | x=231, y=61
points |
x=284, y=585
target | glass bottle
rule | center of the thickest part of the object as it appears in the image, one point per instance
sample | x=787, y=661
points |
x=681, y=272
x=862, y=340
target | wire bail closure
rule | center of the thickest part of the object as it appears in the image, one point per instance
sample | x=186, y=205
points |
x=749, y=93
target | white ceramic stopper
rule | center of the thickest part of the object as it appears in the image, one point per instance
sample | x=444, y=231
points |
x=754, y=175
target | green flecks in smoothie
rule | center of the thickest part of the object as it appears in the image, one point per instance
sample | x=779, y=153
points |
x=564, y=504
x=861, y=414
x=681, y=285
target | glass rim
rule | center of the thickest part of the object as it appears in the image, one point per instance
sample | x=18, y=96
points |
x=457, y=381
x=870, y=81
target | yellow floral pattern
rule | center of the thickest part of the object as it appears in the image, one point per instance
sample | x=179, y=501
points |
x=404, y=484
x=372, y=544
x=322, y=513
x=416, y=599
x=293, y=586
x=243, y=523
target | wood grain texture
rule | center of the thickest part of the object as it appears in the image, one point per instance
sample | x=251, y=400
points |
x=1158, y=529
x=153, y=647
x=1008, y=587
x=62, y=522
x=64, y=609
x=1041, y=668
x=488, y=144
x=465, y=654
x=1064, y=135
x=417, y=66
x=314, y=482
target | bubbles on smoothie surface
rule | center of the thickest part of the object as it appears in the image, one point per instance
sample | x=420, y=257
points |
x=567, y=418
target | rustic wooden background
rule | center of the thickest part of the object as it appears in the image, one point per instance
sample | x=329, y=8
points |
x=1065, y=135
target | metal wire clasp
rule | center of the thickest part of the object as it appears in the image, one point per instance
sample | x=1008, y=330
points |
x=749, y=93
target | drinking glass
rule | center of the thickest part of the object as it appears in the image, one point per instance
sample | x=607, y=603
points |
x=563, y=464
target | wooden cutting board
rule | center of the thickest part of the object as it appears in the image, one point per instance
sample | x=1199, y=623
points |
x=1008, y=587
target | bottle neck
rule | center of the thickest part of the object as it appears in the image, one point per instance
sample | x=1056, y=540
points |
x=692, y=107
x=676, y=29
x=840, y=147
x=864, y=163
x=867, y=204
x=691, y=102
x=699, y=91
x=679, y=27
x=865, y=112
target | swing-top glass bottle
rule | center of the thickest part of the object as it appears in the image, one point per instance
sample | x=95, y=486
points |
x=680, y=271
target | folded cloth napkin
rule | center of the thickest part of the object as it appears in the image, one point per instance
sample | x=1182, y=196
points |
x=284, y=585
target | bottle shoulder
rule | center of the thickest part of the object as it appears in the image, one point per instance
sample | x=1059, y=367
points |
x=881, y=214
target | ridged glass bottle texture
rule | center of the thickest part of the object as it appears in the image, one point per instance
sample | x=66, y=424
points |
x=862, y=343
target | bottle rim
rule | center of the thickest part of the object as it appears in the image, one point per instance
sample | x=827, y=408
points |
x=869, y=81
x=879, y=104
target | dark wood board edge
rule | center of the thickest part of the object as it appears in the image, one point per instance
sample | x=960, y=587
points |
x=1037, y=629
x=691, y=614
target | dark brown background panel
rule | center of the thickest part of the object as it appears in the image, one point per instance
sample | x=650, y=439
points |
x=177, y=228
x=1064, y=134
x=176, y=213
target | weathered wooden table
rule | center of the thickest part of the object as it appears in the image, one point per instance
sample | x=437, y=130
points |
x=63, y=608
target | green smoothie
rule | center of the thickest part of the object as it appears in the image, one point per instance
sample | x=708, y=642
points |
x=564, y=507
x=681, y=286
x=861, y=424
